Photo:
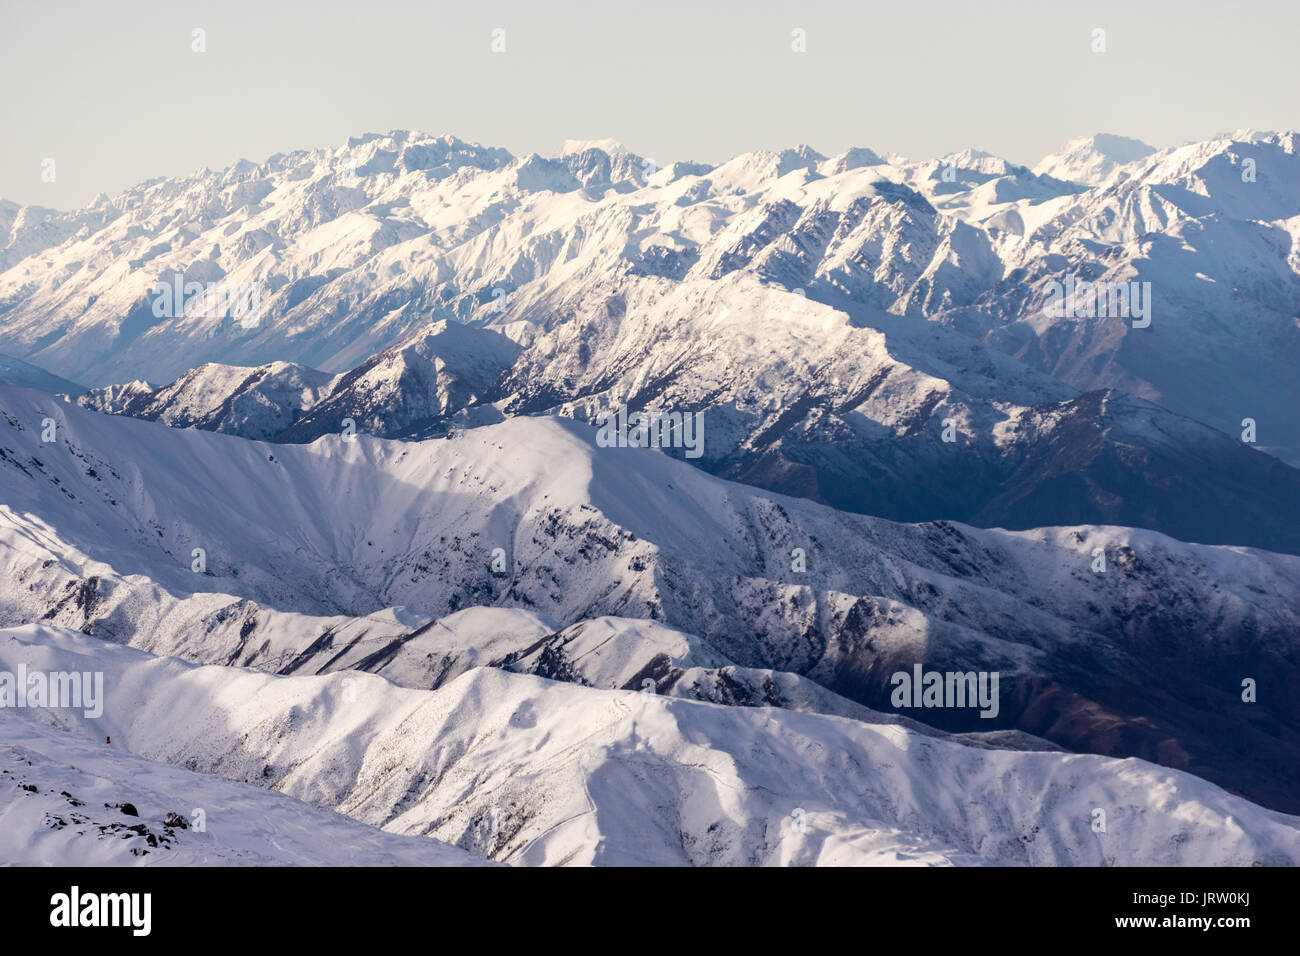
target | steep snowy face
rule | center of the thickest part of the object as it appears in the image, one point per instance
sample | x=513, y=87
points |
x=1091, y=159
x=240, y=246
x=348, y=250
x=531, y=771
x=1204, y=238
x=412, y=386
x=27, y=230
x=202, y=544
x=253, y=402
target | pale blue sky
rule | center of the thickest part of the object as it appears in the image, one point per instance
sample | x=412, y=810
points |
x=114, y=94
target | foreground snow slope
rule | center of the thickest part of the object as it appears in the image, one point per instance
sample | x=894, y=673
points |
x=98, y=530
x=61, y=798
x=533, y=771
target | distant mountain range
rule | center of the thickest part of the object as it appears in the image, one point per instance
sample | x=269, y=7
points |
x=352, y=249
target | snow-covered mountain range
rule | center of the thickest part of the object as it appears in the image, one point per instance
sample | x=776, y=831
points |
x=351, y=554
x=354, y=248
x=361, y=545
x=830, y=316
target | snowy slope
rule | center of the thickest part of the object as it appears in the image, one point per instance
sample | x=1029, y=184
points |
x=61, y=799
x=99, y=530
x=412, y=386
x=24, y=375
x=420, y=381
x=252, y=402
x=450, y=631
x=1213, y=228
x=530, y=771
x=28, y=230
x=801, y=398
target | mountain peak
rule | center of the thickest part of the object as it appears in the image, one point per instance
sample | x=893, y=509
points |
x=606, y=145
x=1090, y=159
x=856, y=157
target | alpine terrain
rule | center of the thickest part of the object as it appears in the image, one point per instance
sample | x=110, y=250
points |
x=424, y=504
